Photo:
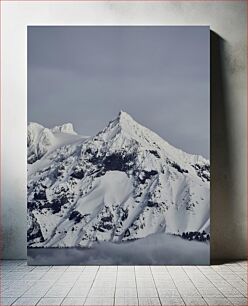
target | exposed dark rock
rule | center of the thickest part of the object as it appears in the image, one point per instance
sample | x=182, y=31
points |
x=107, y=219
x=58, y=203
x=120, y=161
x=76, y=216
x=34, y=232
x=78, y=174
x=155, y=153
x=127, y=233
x=152, y=204
x=145, y=175
x=105, y=226
x=176, y=166
x=40, y=195
x=199, y=236
x=203, y=171
x=32, y=205
x=124, y=214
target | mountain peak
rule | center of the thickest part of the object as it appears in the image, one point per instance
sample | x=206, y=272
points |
x=64, y=128
x=131, y=130
x=126, y=122
x=124, y=116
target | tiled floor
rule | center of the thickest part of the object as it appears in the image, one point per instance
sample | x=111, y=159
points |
x=131, y=285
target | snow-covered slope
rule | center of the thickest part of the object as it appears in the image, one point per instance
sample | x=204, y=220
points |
x=123, y=184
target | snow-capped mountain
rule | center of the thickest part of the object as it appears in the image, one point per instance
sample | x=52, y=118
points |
x=41, y=140
x=125, y=183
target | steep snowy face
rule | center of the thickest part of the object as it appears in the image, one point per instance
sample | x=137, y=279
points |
x=39, y=139
x=125, y=183
x=42, y=140
x=125, y=128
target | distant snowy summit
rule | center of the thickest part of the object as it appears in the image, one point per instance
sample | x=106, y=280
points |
x=123, y=184
x=41, y=140
x=64, y=128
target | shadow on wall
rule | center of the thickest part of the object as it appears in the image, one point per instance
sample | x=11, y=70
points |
x=224, y=229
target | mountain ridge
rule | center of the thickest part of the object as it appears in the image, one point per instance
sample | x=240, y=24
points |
x=131, y=126
x=124, y=183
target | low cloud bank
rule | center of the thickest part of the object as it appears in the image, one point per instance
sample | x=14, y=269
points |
x=156, y=249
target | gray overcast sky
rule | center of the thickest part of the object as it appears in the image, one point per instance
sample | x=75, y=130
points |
x=86, y=75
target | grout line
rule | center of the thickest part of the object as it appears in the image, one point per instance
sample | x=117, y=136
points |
x=155, y=285
x=52, y=284
x=211, y=283
x=175, y=285
x=245, y=280
x=72, y=284
x=38, y=301
x=193, y=285
x=14, y=301
x=136, y=286
x=233, y=303
x=115, y=284
x=87, y=295
x=231, y=285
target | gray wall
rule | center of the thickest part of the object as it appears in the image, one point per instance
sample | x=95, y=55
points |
x=227, y=21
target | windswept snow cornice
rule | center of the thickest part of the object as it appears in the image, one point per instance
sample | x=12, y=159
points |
x=64, y=128
x=41, y=140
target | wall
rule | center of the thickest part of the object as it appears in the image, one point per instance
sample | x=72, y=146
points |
x=227, y=20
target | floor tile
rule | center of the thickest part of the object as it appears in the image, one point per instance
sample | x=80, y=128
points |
x=108, y=268
x=148, y=283
x=126, y=292
x=58, y=268
x=164, y=292
x=103, y=283
x=7, y=301
x=102, y=292
x=217, y=301
x=38, y=290
x=73, y=301
x=13, y=292
x=75, y=269
x=79, y=291
x=230, y=292
x=81, y=282
x=91, y=269
x=126, y=283
x=57, y=291
x=149, y=301
x=26, y=301
x=123, y=301
x=238, y=301
x=209, y=292
x=166, y=301
x=41, y=268
x=99, y=301
x=194, y=301
x=125, y=269
x=165, y=283
x=147, y=292
x=50, y=301
x=189, y=293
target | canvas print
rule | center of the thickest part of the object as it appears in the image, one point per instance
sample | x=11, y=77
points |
x=118, y=145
